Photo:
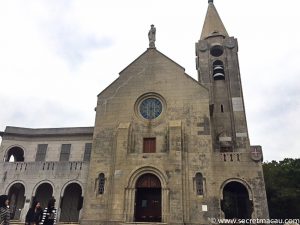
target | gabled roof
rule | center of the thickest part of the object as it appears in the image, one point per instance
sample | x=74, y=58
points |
x=151, y=49
x=213, y=24
x=148, y=51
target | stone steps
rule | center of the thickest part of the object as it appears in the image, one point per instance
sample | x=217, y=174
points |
x=143, y=223
x=22, y=223
x=15, y=222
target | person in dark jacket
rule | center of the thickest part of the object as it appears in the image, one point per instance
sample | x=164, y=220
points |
x=49, y=213
x=34, y=214
x=4, y=210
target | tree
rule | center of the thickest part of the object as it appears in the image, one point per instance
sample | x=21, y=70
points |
x=282, y=180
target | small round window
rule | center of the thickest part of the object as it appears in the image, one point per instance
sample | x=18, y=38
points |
x=216, y=50
x=150, y=108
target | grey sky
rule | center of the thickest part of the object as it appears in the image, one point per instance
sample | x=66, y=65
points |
x=57, y=55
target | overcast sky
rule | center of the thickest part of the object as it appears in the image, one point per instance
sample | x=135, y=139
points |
x=57, y=55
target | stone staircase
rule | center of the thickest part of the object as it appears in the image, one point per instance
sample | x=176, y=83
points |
x=143, y=223
x=17, y=222
x=139, y=223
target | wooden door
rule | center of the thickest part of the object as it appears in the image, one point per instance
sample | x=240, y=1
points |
x=148, y=199
x=148, y=205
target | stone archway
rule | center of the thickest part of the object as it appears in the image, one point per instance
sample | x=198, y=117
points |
x=71, y=203
x=148, y=199
x=131, y=191
x=236, y=202
x=43, y=194
x=16, y=196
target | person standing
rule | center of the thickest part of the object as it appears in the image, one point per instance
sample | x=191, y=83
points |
x=34, y=214
x=49, y=213
x=4, y=210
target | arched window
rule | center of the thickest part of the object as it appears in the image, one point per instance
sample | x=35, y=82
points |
x=199, y=183
x=218, y=70
x=15, y=154
x=101, y=183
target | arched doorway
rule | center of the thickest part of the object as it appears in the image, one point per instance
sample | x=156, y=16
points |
x=71, y=203
x=15, y=154
x=148, y=199
x=43, y=194
x=236, y=203
x=16, y=195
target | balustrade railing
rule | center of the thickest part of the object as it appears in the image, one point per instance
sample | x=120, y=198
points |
x=40, y=168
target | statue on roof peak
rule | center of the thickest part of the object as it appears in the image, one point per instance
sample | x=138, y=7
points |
x=151, y=36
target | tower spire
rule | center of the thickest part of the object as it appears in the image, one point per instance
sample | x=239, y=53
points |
x=213, y=24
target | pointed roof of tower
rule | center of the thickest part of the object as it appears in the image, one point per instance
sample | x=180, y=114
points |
x=213, y=24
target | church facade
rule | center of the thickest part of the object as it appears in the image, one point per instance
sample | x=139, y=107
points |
x=165, y=148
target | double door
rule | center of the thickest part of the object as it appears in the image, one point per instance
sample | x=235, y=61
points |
x=148, y=205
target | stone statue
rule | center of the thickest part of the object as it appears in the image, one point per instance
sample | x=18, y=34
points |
x=151, y=36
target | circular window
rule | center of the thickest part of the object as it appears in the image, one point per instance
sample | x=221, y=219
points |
x=150, y=108
x=216, y=50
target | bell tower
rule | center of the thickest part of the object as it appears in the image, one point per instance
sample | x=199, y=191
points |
x=218, y=70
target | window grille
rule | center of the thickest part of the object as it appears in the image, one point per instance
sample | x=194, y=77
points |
x=101, y=180
x=199, y=184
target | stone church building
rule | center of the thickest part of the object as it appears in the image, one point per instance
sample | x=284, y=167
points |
x=165, y=148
